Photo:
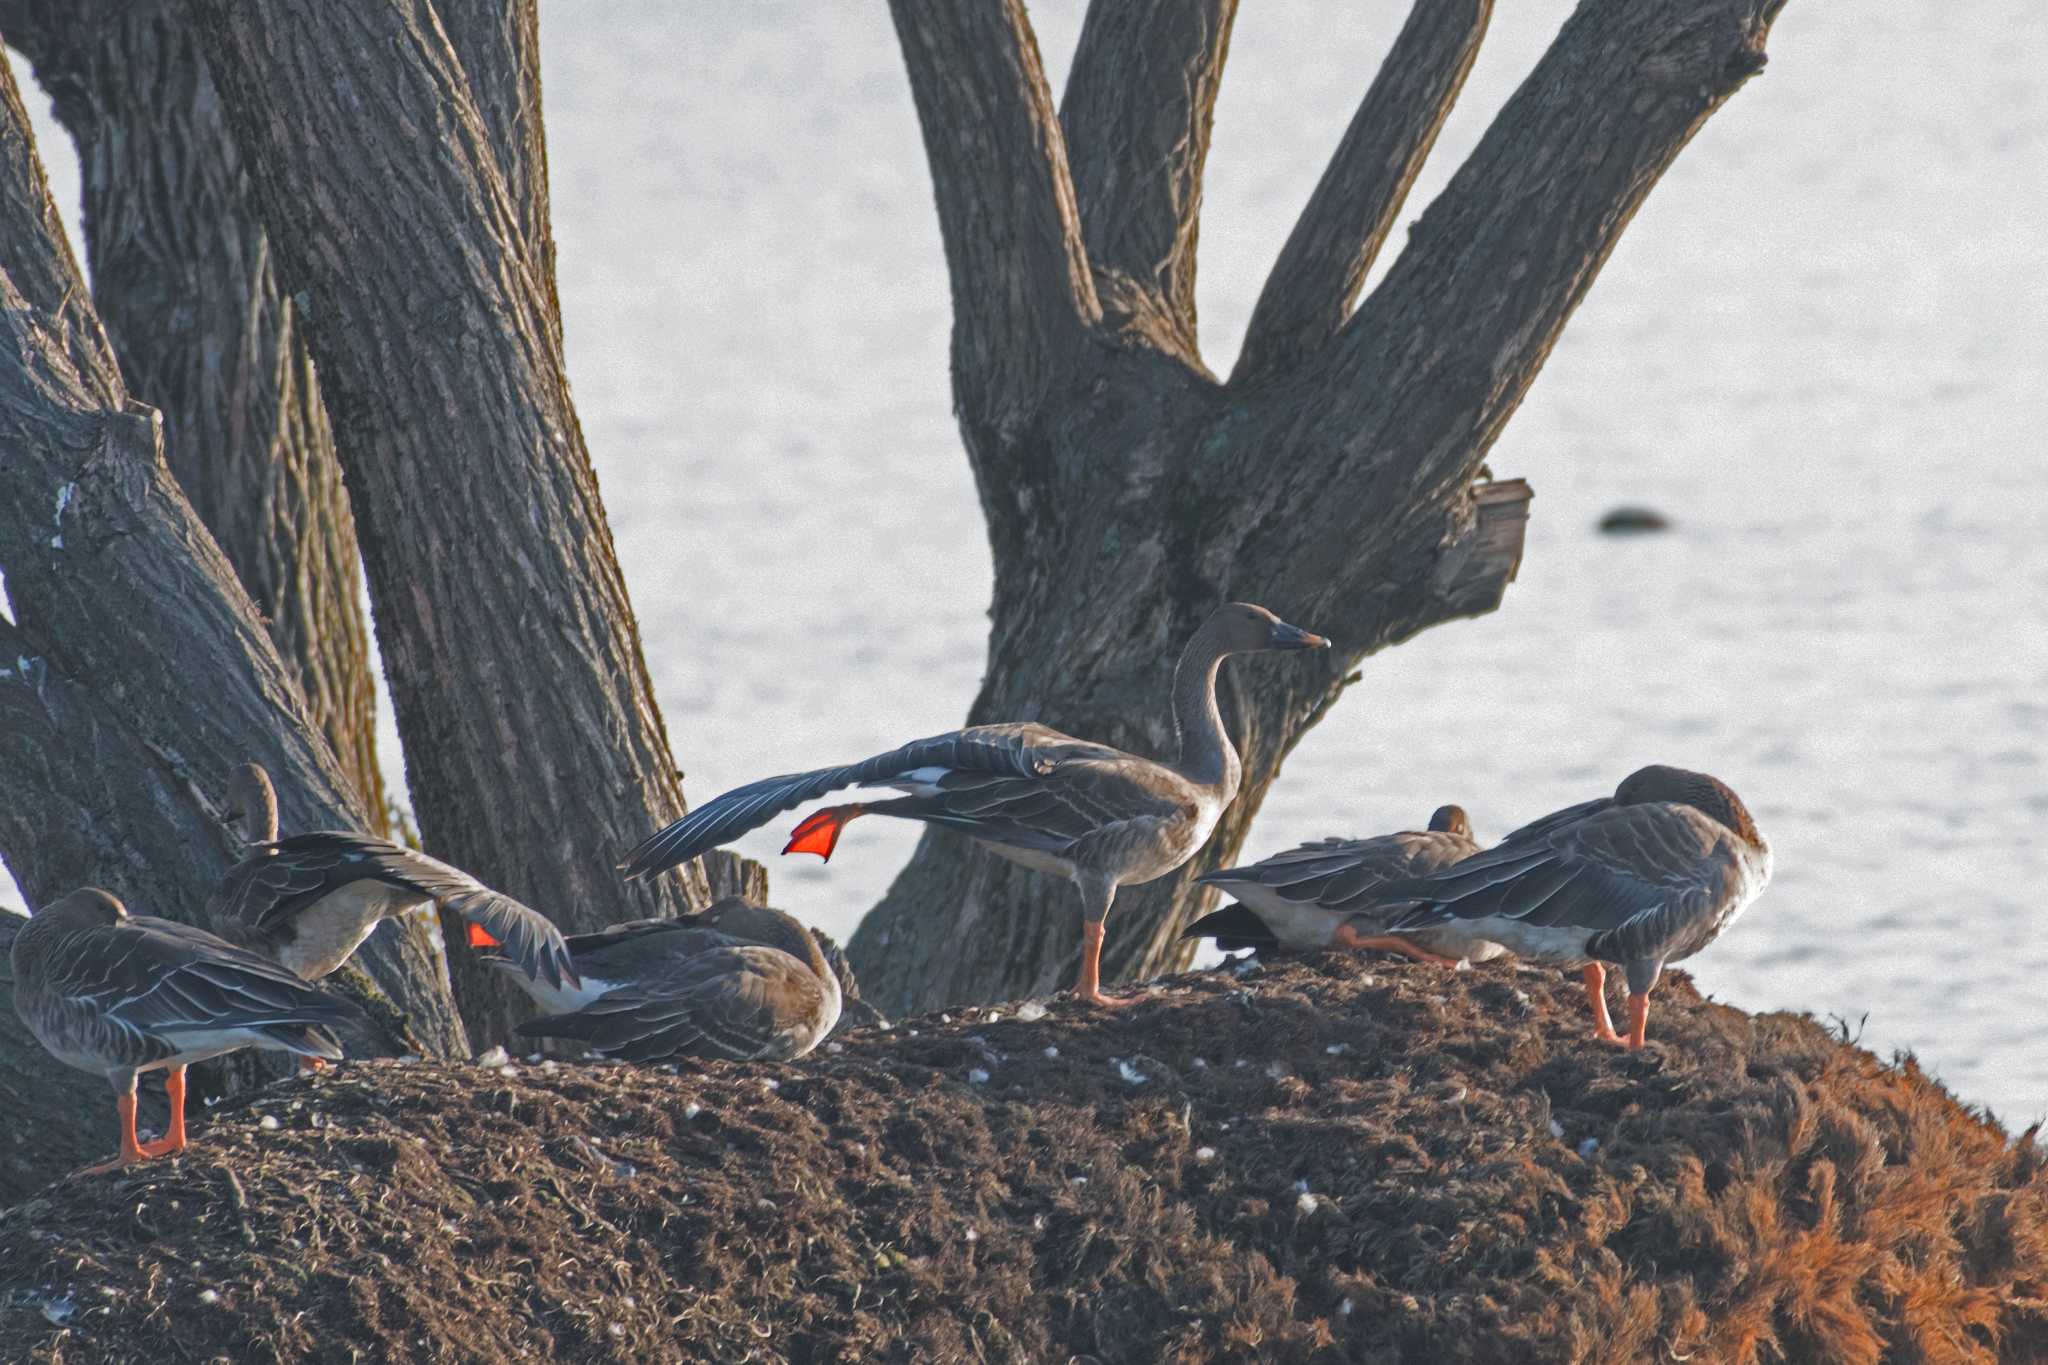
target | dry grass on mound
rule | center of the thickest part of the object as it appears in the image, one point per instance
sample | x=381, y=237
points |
x=1316, y=1162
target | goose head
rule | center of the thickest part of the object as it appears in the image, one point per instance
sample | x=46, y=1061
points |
x=1246, y=628
x=1450, y=820
x=86, y=908
x=1708, y=795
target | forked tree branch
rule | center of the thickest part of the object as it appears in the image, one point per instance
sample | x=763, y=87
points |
x=1139, y=105
x=1022, y=295
x=1405, y=402
x=1328, y=255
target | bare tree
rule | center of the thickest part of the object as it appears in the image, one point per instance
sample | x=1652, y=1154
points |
x=182, y=279
x=394, y=156
x=134, y=673
x=1335, y=477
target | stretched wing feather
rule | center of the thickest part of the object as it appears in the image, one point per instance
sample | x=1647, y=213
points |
x=294, y=875
x=989, y=776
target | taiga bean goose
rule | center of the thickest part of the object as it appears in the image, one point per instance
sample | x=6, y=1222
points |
x=309, y=901
x=1647, y=876
x=738, y=981
x=110, y=992
x=1095, y=815
x=1325, y=895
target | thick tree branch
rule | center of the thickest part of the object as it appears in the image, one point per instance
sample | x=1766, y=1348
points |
x=1401, y=408
x=497, y=43
x=1137, y=112
x=1022, y=296
x=1328, y=255
x=136, y=673
x=533, y=745
x=181, y=275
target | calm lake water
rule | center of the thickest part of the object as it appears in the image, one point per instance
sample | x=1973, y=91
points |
x=1820, y=348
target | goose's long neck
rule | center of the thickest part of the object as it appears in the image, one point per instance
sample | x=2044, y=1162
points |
x=1206, y=756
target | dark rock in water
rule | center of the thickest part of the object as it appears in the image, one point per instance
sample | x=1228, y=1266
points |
x=1627, y=521
x=1327, y=1160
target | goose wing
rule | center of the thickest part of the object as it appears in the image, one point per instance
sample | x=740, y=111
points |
x=742, y=1002
x=293, y=876
x=988, y=775
x=1343, y=875
x=160, y=980
x=1634, y=877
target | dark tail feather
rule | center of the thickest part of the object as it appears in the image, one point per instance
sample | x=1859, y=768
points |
x=1233, y=927
x=308, y=1040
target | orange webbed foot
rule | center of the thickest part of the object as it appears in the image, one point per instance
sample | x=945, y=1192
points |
x=819, y=831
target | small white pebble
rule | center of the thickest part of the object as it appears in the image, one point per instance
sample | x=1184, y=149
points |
x=913, y=1033
x=1301, y=1187
x=533, y=1058
x=1307, y=1203
x=616, y=1330
x=629, y=1301
x=1052, y=1052
x=1276, y=1071
x=1338, y=1049
x=1038, y=1222
x=508, y=1070
x=1078, y=1180
x=1456, y=1096
x=1521, y=996
x=493, y=1056
x=1344, y=1308
x=1205, y=1153
x=1238, y=1063
x=977, y=1076
x=1131, y=1074
x=1464, y=965
x=1556, y=1129
x=268, y=1123
x=770, y=1083
x=550, y=1066
x=945, y=1018
x=973, y=1236
x=1200, y=1064
x=1588, y=1147
x=1031, y=1011
x=209, y=1296
x=995, y=1017
x=1368, y=980
x=692, y=1109
x=835, y=1048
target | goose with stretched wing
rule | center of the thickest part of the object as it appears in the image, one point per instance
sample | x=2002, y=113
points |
x=1098, y=816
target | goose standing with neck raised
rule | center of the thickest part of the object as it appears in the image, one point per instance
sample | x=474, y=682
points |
x=1098, y=816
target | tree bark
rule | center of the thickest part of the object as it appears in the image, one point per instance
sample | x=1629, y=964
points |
x=1128, y=493
x=534, y=749
x=182, y=279
x=134, y=675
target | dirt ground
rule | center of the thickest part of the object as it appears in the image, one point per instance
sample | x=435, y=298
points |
x=1317, y=1160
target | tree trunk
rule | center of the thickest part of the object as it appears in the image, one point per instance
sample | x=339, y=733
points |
x=136, y=674
x=1336, y=478
x=181, y=277
x=534, y=749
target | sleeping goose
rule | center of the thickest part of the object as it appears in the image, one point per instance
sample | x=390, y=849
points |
x=1325, y=895
x=738, y=981
x=309, y=901
x=1647, y=876
x=120, y=994
x=1098, y=816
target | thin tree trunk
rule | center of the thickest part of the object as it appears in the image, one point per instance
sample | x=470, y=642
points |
x=534, y=749
x=135, y=674
x=181, y=276
x=1337, y=480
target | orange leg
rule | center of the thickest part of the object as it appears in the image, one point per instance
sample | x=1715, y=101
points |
x=1088, y=989
x=1638, y=1019
x=131, y=1152
x=1351, y=940
x=1596, y=995
x=174, y=1140
x=819, y=831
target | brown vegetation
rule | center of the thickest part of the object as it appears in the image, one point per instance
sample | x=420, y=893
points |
x=1315, y=1161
